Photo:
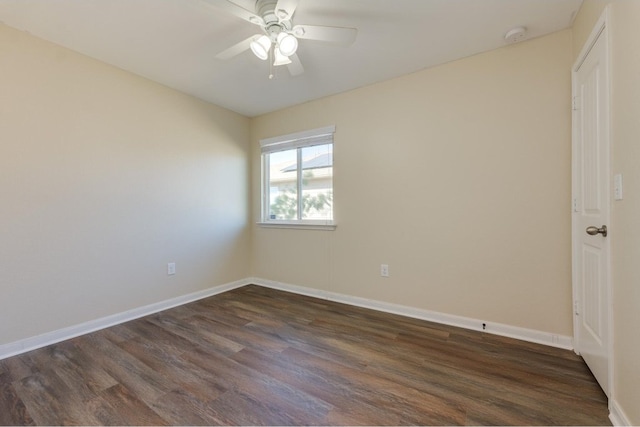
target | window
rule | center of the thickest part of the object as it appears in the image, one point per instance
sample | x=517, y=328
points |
x=297, y=172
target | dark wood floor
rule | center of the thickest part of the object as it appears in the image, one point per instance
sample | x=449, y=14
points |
x=256, y=356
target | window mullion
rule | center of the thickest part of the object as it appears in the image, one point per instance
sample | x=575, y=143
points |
x=299, y=153
x=266, y=178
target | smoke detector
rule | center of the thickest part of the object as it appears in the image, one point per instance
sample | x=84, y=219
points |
x=515, y=35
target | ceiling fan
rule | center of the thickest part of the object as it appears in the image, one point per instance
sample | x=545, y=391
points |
x=278, y=40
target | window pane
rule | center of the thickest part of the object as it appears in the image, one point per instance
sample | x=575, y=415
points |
x=317, y=182
x=283, y=184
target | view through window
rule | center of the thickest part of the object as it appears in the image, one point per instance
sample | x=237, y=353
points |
x=298, y=180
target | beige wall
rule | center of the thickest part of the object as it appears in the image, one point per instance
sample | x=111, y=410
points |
x=458, y=177
x=585, y=21
x=626, y=213
x=104, y=178
x=625, y=236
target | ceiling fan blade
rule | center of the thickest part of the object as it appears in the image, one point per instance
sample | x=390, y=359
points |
x=285, y=9
x=236, y=10
x=338, y=35
x=236, y=49
x=295, y=68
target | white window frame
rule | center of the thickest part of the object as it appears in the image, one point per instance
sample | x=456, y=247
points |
x=310, y=138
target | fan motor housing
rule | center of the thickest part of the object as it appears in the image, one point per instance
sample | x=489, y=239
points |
x=267, y=10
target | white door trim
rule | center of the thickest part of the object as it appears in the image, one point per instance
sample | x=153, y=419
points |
x=601, y=29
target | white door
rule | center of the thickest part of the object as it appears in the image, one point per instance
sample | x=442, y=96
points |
x=591, y=206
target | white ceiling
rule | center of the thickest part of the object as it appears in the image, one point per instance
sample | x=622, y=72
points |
x=174, y=42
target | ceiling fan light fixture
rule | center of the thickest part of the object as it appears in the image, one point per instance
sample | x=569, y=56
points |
x=260, y=47
x=287, y=44
x=280, y=59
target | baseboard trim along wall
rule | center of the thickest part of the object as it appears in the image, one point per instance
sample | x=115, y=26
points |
x=530, y=335
x=617, y=415
x=32, y=343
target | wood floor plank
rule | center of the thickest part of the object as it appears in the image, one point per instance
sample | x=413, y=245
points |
x=254, y=385
x=327, y=389
x=413, y=406
x=204, y=338
x=74, y=368
x=219, y=313
x=187, y=376
x=243, y=336
x=43, y=409
x=179, y=407
x=260, y=356
x=14, y=369
x=125, y=402
x=329, y=348
x=12, y=408
x=129, y=371
x=51, y=402
x=143, y=329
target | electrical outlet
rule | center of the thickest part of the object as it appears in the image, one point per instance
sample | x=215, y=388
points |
x=384, y=270
x=171, y=268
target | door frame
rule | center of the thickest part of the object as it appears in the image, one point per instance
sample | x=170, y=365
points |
x=601, y=29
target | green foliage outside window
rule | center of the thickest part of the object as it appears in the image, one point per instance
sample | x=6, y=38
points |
x=285, y=205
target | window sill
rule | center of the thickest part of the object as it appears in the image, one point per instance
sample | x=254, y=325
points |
x=298, y=225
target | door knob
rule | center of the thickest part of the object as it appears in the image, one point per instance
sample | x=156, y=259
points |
x=594, y=231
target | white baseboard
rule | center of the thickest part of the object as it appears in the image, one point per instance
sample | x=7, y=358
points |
x=32, y=343
x=530, y=335
x=617, y=415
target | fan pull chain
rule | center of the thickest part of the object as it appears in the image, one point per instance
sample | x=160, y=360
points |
x=271, y=52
